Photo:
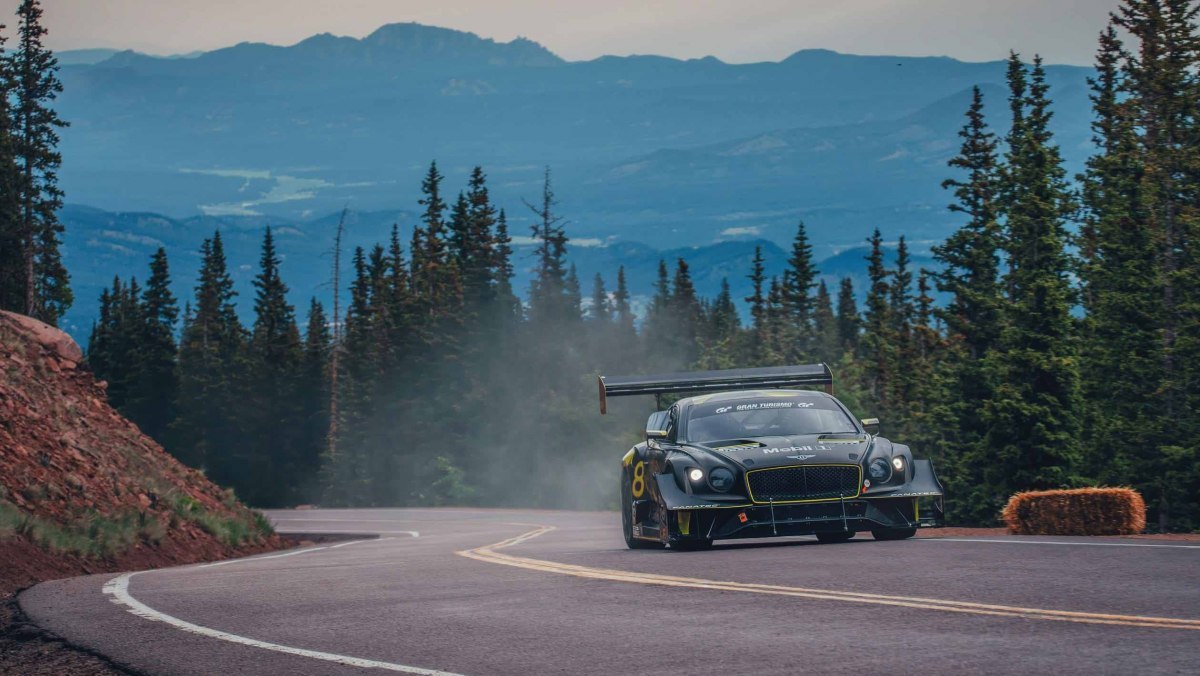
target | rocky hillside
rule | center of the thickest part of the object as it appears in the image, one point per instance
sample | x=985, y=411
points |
x=82, y=489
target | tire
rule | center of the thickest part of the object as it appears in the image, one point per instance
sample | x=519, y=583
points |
x=894, y=533
x=627, y=518
x=698, y=545
x=828, y=538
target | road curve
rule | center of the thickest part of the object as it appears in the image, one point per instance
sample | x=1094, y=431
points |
x=465, y=591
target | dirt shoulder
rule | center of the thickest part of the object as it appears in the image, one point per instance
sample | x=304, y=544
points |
x=957, y=532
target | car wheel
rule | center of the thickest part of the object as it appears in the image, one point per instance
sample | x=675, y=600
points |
x=627, y=518
x=894, y=533
x=835, y=537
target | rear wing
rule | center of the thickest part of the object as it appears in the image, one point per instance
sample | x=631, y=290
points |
x=715, y=381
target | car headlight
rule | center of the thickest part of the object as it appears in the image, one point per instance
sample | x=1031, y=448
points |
x=720, y=479
x=898, y=463
x=695, y=474
x=879, y=470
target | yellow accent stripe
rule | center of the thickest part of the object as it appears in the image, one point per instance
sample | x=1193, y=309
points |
x=628, y=459
x=489, y=554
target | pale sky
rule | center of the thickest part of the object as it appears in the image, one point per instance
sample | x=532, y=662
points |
x=737, y=31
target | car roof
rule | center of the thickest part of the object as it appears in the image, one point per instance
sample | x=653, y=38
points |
x=750, y=394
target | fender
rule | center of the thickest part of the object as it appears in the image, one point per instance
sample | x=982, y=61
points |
x=674, y=499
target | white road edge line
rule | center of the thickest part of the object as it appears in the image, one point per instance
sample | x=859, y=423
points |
x=305, y=520
x=374, y=531
x=1054, y=542
x=309, y=550
x=118, y=589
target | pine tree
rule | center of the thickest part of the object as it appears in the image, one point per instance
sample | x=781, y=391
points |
x=622, y=306
x=1033, y=416
x=502, y=270
x=115, y=356
x=684, y=315
x=970, y=257
x=1140, y=268
x=657, y=330
x=799, y=279
x=759, y=348
x=600, y=310
x=825, y=329
x=35, y=124
x=473, y=243
x=778, y=329
x=848, y=321
x=435, y=278
x=313, y=394
x=724, y=316
x=1116, y=250
x=152, y=405
x=722, y=337
x=99, y=340
x=929, y=371
x=904, y=380
x=972, y=317
x=274, y=446
x=548, y=299
x=12, y=250
x=877, y=346
x=206, y=434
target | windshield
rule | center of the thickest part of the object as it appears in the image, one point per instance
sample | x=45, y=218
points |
x=767, y=417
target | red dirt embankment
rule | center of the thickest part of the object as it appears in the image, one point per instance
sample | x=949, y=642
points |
x=85, y=486
x=82, y=490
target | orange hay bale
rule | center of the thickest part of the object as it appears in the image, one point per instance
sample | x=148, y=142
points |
x=1080, y=511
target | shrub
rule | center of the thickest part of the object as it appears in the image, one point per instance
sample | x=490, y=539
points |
x=1080, y=511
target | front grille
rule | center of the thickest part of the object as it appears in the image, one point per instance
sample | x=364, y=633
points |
x=804, y=482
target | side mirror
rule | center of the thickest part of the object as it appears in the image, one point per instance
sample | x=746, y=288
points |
x=656, y=425
x=871, y=425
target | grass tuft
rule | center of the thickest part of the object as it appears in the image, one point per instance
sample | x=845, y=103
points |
x=246, y=527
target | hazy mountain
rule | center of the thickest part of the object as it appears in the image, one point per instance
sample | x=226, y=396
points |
x=88, y=57
x=100, y=244
x=649, y=148
x=78, y=57
x=652, y=156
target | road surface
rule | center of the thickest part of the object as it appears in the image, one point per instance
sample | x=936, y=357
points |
x=539, y=592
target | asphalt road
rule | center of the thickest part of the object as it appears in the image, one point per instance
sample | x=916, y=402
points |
x=534, y=592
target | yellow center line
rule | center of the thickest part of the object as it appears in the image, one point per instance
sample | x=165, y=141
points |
x=489, y=554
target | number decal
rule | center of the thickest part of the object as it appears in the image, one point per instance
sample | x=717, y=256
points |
x=639, y=479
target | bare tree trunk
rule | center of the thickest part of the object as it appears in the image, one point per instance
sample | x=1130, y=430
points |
x=337, y=336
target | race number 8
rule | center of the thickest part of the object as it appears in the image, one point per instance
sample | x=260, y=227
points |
x=639, y=480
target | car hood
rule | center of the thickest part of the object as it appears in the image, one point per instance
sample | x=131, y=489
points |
x=800, y=449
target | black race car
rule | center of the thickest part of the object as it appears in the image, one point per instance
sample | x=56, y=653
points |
x=753, y=459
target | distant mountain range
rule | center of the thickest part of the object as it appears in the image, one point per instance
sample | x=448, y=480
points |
x=646, y=150
x=101, y=244
x=87, y=57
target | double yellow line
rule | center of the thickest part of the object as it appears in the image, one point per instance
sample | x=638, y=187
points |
x=489, y=554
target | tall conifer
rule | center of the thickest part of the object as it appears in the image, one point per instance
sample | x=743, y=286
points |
x=849, y=322
x=34, y=70
x=211, y=367
x=1034, y=414
x=154, y=404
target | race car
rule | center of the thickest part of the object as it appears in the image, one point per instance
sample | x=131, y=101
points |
x=749, y=456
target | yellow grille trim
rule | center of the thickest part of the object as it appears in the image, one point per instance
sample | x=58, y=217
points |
x=750, y=492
